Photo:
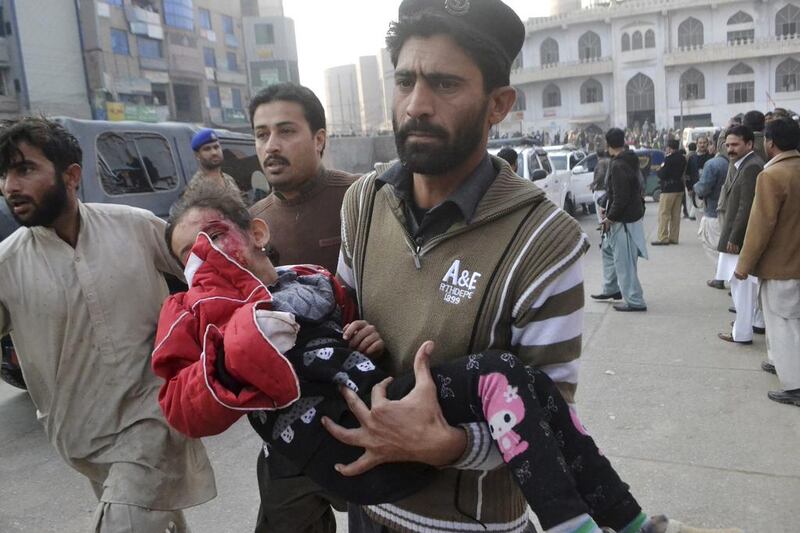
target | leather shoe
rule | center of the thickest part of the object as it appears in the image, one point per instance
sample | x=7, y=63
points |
x=766, y=366
x=716, y=284
x=604, y=297
x=625, y=308
x=789, y=397
x=732, y=310
x=660, y=243
x=728, y=337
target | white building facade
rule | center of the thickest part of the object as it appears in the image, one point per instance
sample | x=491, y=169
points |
x=667, y=62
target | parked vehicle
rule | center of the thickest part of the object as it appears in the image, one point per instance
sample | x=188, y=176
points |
x=690, y=135
x=533, y=163
x=564, y=158
x=650, y=161
x=142, y=165
x=581, y=183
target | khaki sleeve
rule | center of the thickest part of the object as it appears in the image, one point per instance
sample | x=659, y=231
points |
x=769, y=200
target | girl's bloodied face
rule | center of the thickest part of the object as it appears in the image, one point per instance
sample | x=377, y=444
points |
x=237, y=243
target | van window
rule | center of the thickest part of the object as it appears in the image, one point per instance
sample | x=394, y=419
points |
x=134, y=162
x=241, y=162
x=533, y=163
x=546, y=164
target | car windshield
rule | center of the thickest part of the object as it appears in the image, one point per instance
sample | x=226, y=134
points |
x=559, y=161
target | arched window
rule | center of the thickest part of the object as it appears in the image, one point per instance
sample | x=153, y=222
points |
x=693, y=85
x=520, y=103
x=739, y=69
x=636, y=41
x=641, y=99
x=626, y=42
x=787, y=21
x=589, y=47
x=591, y=92
x=787, y=76
x=740, y=17
x=650, y=39
x=551, y=96
x=690, y=33
x=549, y=51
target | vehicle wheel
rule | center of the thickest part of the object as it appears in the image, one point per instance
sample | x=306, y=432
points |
x=569, y=206
x=656, y=195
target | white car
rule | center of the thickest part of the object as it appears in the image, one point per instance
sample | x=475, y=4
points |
x=564, y=158
x=581, y=184
x=533, y=163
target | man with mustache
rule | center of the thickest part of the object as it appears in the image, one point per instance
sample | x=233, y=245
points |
x=208, y=152
x=303, y=214
x=81, y=287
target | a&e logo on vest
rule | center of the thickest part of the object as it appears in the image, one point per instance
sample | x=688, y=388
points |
x=458, y=285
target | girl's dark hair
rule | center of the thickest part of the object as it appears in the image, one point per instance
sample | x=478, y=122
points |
x=207, y=195
x=492, y=62
x=57, y=144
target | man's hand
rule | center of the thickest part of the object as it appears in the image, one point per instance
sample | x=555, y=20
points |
x=740, y=276
x=411, y=429
x=607, y=224
x=732, y=248
x=364, y=337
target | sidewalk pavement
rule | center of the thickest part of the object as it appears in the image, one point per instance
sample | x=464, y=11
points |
x=683, y=416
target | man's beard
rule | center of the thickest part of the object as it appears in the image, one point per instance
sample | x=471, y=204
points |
x=433, y=159
x=47, y=210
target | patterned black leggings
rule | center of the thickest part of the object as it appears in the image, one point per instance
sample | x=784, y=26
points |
x=557, y=465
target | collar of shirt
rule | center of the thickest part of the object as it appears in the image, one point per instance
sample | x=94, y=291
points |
x=308, y=189
x=738, y=164
x=466, y=198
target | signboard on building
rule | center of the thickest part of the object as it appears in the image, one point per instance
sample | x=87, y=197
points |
x=115, y=111
x=142, y=113
x=234, y=116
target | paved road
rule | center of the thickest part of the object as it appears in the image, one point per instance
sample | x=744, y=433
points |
x=683, y=416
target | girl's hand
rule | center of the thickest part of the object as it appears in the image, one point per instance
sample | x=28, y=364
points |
x=364, y=337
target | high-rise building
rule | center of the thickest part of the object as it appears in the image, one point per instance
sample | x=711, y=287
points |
x=270, y=44
x=386, y=72
x=370, y=94
x=343, y=108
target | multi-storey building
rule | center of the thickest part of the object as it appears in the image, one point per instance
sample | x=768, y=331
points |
x=667, y=62
x=270, y=44
x=342, y=103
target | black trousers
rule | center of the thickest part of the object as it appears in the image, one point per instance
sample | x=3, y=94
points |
x=533, y=426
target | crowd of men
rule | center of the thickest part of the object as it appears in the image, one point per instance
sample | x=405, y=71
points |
x=83, y=284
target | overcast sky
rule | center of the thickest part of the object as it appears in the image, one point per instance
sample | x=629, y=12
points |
x=336, y=32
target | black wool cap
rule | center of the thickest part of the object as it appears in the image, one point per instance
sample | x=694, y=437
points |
x=491, y=19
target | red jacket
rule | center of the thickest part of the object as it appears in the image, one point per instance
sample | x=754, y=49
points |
x=226, y=310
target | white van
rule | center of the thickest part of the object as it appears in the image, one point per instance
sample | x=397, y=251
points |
x=690, y=135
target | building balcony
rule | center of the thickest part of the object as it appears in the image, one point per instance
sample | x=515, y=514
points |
x=560, y=71
x=186, y=62
x=153, y=63
x=235, y=78
x=734, y=51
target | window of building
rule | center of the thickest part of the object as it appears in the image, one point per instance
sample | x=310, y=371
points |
x=551, y=96
x=179, y=14
x=589, y=47
x=119, y=42
x=209, y=57
x=114, y=2
x=204, y=18
x=150, y=48
x=650, y=39
x=591, y=92
x=265, y=34
x=787, y=21
x=4, y=88
x=741, y=36
x=626, y=42
x=227, y=24
x=740, y=17
x=233, y=63
x=637, y=42
x=3, y=23
x=549, y=51
x=520, y=104
x=741, y=92
x=693, y=85
x=213, y=97
x=130, y=163
x=690, y=33
x=787, y=76
x=236, y=98
x=739, y=69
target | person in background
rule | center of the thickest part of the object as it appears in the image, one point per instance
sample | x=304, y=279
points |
x=303, y=214
x=510, y=155
x=755, y=120
x=690, y=177
x=771, y=252
x=599, y=184
x=623, y=233
x=736, y=200
x=708, y=190
x=671, y=176
x=208, y=152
